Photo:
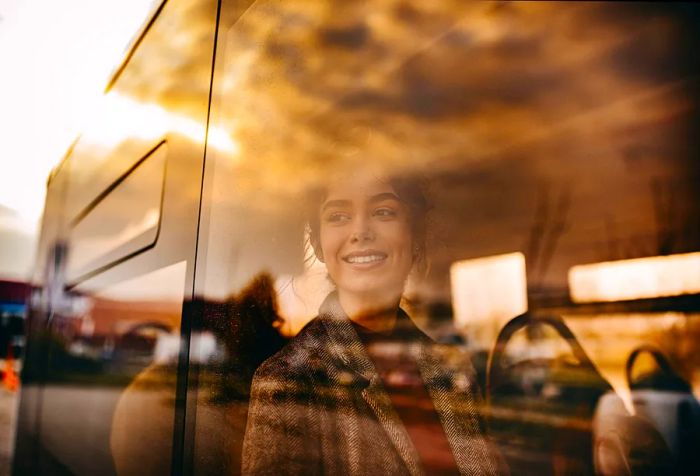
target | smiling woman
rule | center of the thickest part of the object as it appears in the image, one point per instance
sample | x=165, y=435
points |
x=362, y=232
x=335, y=383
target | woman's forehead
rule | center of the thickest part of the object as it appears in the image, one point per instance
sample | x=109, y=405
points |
x=358, y=187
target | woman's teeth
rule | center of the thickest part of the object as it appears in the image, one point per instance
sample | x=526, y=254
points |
x=364, y=259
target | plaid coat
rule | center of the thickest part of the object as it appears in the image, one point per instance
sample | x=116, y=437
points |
x=319, y=407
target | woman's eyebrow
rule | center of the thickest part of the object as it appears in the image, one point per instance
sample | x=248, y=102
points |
x=335, y=203
x=380, y=197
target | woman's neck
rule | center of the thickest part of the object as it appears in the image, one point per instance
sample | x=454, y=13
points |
x=375, y=315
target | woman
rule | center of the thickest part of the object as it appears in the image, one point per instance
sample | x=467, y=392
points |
x=331, y=402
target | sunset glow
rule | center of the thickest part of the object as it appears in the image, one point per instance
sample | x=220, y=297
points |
x=66, y=53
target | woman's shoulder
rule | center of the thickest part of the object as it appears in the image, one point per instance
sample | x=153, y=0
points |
x=299, y=354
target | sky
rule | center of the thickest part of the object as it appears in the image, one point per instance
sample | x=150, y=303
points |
x=55, y=60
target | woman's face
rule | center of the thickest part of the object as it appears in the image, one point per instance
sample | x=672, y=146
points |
x=365, y=239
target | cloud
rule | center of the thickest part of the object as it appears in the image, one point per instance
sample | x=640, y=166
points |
x=503, y=100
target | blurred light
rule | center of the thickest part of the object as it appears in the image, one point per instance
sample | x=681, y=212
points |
x=129, y=119
x=642, y=278
x=56, y=58
x=487, y=292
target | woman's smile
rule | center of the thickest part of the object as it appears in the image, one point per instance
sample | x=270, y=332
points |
x=365, y=258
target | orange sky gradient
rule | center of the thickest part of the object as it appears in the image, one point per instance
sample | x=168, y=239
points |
x=56, y=58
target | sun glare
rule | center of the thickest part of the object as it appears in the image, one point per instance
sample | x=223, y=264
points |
x=131, y=119
x=60, y=55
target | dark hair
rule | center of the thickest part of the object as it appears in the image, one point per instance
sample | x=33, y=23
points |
x=410, y=190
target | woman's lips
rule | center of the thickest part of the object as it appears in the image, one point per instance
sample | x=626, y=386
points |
x=365, y=257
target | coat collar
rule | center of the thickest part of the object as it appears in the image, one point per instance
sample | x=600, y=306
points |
x=347, y=345
x=345, y=342
x=449, y=389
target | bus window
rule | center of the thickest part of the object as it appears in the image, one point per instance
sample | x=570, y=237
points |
x=385, y=251
x=123, y=222
x=104, y=385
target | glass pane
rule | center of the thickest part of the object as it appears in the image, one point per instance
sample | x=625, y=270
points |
x=388, y=254
x=105, y=383
x=113, y=359
x=123, y=222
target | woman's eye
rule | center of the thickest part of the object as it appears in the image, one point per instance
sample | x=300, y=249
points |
x=385, y=212
x=337, y=217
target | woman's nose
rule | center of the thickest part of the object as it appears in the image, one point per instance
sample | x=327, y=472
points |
x=362, y=230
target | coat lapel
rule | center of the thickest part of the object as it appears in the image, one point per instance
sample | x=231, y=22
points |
x=378, y=400
x=457, y=407
x=347, y=346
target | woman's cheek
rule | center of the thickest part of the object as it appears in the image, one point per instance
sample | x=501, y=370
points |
x=331, y=241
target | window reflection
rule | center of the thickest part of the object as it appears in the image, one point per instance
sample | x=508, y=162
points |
x=105, y=369
x=538, y=130
x=486, y=293
x=123, y=221
x=652, y=277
